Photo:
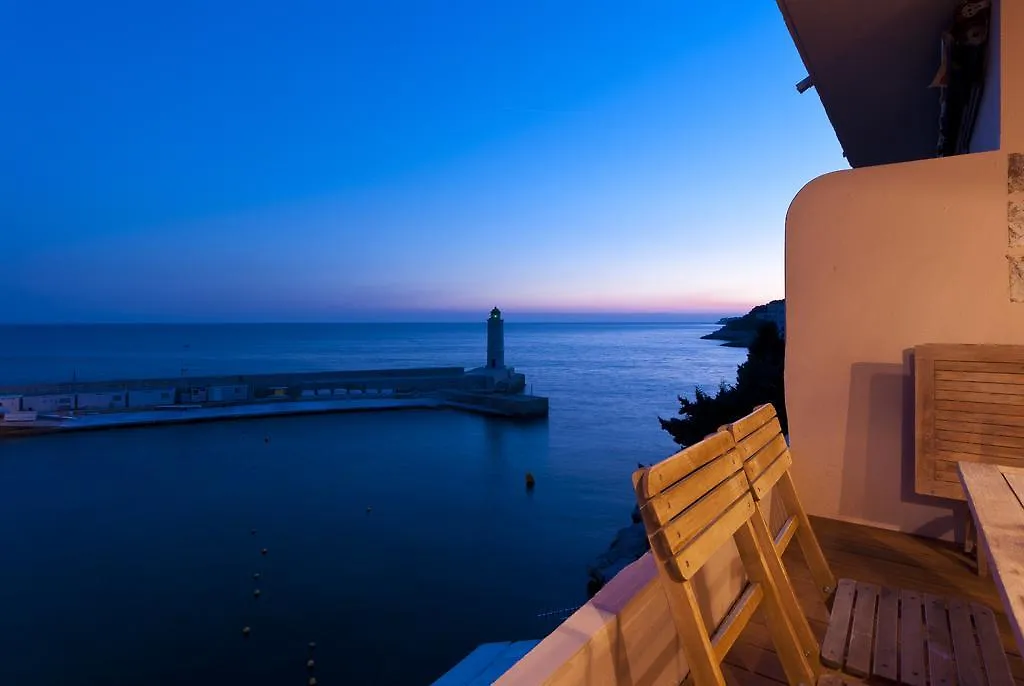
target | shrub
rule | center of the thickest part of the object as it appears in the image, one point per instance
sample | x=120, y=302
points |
x=759, y=380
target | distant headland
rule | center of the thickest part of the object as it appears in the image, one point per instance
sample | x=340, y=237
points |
x=739, y=332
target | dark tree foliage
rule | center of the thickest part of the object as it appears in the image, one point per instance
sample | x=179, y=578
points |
x=759, y=380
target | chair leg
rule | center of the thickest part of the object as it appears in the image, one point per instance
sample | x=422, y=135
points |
x=809, y=546
x=970, y=536
x=779, y=603
x=705, y=669
x=982, y=553
x=787, y=596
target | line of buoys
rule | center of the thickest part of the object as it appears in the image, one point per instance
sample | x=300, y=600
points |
x=256, y=575
x=310, y=664
x=246, y=631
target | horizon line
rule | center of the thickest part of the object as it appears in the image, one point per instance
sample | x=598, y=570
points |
x=653, y=317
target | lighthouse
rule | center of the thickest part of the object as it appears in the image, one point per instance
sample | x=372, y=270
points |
x=495, y=340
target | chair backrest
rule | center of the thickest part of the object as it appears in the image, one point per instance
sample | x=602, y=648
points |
x=692, y=504
x=766, y=464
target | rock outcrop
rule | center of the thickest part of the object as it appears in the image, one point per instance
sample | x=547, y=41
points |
x=739, y=332
x=628, y=546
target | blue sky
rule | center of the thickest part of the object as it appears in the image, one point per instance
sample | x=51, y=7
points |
x=316, y=161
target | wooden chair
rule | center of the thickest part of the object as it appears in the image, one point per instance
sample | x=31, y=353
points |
x=873, y=631
x=692, y=503
x=766, y=463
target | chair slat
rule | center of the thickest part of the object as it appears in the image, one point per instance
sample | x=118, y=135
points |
x=667, y=472
x=679, y=532
x=833, y=648
x=736, y=620
x=763, y=484
x=965, y=646
x=761, y=415
x=941, y=670
x=786, y=533
x=761, y=439
x=862, y=633
x=691, y=558
x=886, y=663
x=755, y=464
x=684, y=493
x=997, y=665
x=912, y=640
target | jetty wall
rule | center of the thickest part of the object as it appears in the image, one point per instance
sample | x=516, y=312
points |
x=289, y=385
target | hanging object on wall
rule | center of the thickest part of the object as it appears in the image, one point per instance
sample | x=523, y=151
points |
x=960, y=77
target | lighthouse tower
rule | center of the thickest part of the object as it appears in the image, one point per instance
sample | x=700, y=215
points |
x=495, y=340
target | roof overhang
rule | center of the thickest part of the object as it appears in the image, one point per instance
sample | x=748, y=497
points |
x=871, y=63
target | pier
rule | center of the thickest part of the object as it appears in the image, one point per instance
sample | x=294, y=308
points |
x=493, y=389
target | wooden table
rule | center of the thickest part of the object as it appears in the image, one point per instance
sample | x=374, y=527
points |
x=996, y=496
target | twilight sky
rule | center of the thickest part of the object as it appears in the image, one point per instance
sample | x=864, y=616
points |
x=314, y=161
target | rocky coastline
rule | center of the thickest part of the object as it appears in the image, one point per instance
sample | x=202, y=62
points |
x=628, y=546
x=630, y=543
x=739, y=332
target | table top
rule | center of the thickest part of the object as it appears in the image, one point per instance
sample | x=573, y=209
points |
x=996, y=496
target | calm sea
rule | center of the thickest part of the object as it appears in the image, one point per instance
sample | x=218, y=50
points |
x=128, y=556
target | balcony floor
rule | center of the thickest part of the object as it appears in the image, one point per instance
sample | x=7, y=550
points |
x=875, y=556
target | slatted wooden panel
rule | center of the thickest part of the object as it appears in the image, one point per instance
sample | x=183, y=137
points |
x=914, y=638
x=969, y=406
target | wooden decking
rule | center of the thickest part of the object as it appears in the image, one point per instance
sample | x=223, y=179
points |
x=875, y=556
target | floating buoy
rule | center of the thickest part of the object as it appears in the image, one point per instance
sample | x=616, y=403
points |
x=266, y=439
x=256, y=593
x=312, y=681
x=245, y=631
x=312, y=645
x=369, y=509
x=256, y=575
x=530, y=481
x=310, y=664
x=263, y=552
x=252, y=531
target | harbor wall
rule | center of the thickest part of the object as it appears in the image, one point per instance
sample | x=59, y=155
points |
x=94, y=395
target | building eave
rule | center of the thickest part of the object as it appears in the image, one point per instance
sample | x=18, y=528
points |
x=871, y=64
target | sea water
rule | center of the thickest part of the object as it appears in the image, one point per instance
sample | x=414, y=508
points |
x=395, y=541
